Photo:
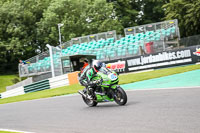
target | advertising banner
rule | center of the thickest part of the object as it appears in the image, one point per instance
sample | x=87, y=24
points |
x=189, y=55
x=118, y=66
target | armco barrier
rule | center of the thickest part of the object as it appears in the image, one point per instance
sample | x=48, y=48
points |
x=50, y=83
x=38, y=86
x=59, y=84
x=14, y=92
x=59, y=81
x=58, y=78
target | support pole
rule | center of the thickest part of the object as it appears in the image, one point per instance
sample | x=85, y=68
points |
x=51, y=57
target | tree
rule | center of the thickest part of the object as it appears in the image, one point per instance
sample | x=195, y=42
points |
x=139, y=12
x=102, y=17
x=18, y=39
x=187, y=13
x=153, y=11
x=128, y=12
x=79, y=17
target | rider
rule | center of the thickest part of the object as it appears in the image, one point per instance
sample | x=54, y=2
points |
x=87, y=75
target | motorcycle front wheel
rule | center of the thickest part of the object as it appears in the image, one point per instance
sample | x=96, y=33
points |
x=120, y=96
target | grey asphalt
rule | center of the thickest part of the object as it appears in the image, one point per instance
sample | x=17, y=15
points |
x=147, y=111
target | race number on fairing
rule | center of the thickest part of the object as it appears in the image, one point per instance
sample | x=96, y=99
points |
x=112, y=76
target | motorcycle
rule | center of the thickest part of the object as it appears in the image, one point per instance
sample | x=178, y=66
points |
x=107, y=90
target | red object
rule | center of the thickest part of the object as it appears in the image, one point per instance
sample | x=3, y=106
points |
x=95, y=69
x=149, y=47
x=84, y=66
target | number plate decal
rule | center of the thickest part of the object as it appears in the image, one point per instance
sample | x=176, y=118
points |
x=112, y=76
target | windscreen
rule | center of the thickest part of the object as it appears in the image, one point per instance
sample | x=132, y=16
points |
x=105, y=70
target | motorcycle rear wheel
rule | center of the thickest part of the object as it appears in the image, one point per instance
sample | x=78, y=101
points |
x=90, y=103
x=120, y=96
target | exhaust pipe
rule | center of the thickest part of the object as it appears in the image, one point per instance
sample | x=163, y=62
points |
x=85, y=96
x=81, y=93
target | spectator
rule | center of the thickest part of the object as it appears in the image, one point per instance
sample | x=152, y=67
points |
x=23, y=67
x=22, y=62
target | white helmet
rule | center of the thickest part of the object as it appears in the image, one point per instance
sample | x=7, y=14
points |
x=96, y=65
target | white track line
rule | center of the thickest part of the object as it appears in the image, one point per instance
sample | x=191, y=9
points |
x=17, y=131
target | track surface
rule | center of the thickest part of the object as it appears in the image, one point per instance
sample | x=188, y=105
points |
x=150, y=111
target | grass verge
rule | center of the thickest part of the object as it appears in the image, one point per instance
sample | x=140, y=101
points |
x=44, y=94
x=6, y=80
x=124, y=79
x=8, y=132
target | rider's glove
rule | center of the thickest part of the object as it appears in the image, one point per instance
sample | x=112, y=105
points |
x=97, y=81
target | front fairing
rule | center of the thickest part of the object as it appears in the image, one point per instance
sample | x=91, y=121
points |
x=109, y=77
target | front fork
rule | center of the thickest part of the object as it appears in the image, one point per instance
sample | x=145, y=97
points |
x=113, y=89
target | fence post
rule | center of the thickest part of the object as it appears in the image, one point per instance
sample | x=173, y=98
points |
x=51, y=57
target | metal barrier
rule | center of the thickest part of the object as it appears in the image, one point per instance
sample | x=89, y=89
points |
x=14, y=92
x=36, y=65
x=38, y=86
x=190, y=41
x=94, y=37
x=156, y=27
x=90, y=38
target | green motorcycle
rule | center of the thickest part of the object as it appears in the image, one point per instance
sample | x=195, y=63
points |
x=107, y=90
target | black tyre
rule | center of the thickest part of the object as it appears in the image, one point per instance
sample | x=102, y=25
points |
x=90, y=103
x=120, y=96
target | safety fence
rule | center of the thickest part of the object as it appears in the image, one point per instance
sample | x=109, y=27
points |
x=50, y=83
x=190, y=41
x=14, y=92
x=59, y=81
x=91, y=38
x=159, y=26
x=35, y=65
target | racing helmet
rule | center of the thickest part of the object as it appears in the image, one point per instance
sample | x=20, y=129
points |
x=96, y=64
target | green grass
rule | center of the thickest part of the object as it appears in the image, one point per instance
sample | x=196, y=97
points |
x=6, y=80
x=124, y=79
x=44, y=94
x=8, y=132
